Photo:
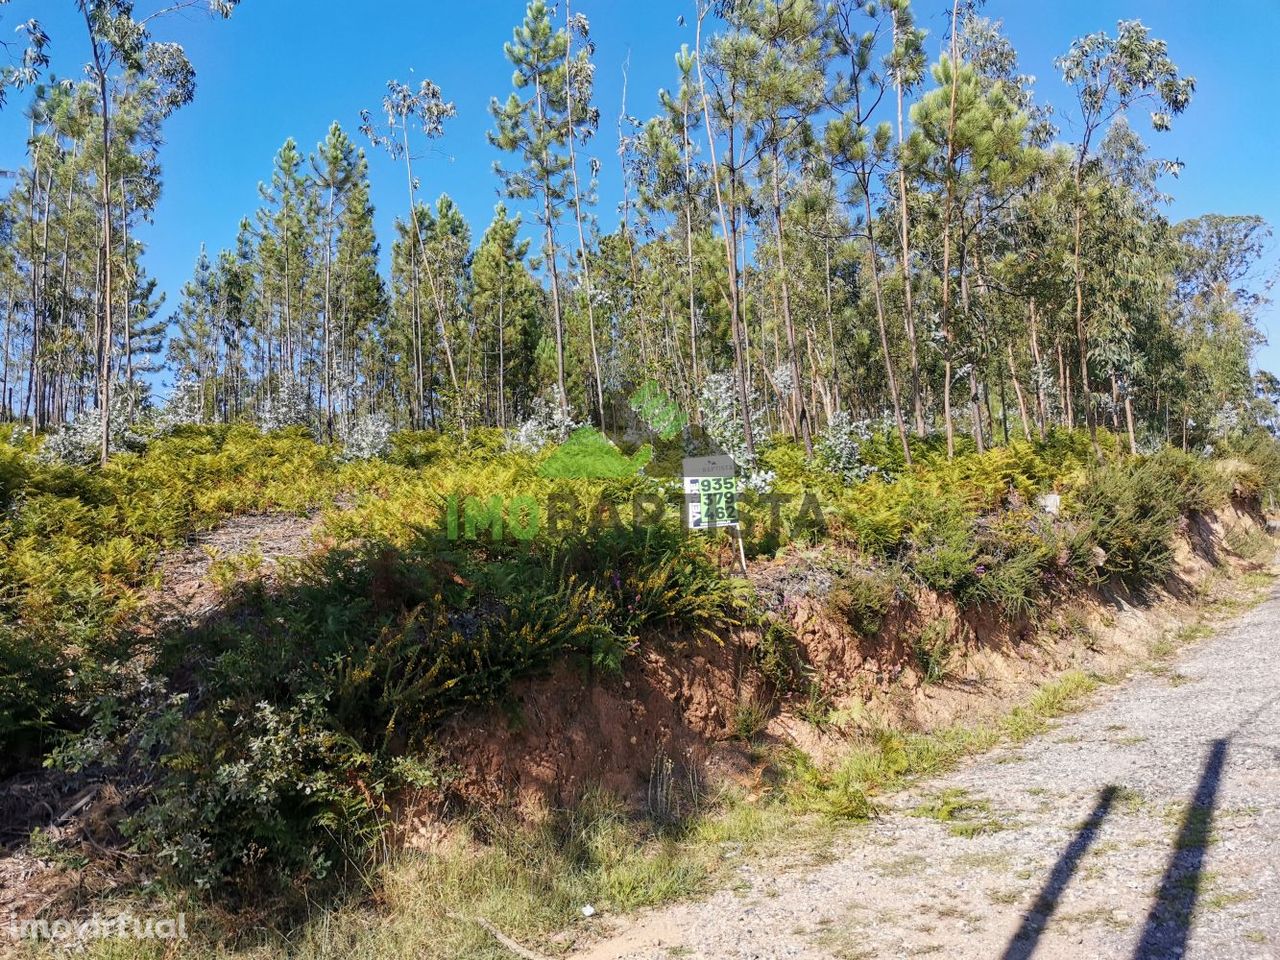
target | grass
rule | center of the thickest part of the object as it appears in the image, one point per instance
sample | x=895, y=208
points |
x=933, y=653
x=907, y=866
x=966, y=815
x=887, y=759
x=750, y=718
x=1129, y=800
x=531, y=880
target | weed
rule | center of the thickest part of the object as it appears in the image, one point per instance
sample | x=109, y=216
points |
x=1129, y=800
x=862, y=598
x=967, y=816
x=750, y=718
x=933, y=652
x=1248, y=543
x=778, y=655
x=816, y=708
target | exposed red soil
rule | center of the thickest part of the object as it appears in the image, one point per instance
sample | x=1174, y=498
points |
x=568, y=732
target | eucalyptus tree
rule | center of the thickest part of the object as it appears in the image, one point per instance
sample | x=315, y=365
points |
x=26, y=71
x=1215, y=303
x=905, y=64
x=855, y=93
x=1110, y=75
x=426, y=109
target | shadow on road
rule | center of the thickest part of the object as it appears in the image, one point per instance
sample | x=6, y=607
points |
x=1169, y=921
x=1024, y=941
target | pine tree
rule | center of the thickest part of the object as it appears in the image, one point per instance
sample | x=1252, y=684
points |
x=334, y=169
x=360, y=296
x=533, y=123
x=503, y=295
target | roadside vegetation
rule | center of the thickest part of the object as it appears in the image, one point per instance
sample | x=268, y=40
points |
x=939, y=321
x=264, y=749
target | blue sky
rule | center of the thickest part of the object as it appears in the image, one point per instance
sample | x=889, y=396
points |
x=284, y=68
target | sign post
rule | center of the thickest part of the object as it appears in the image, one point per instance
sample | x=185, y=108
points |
x=711, y=497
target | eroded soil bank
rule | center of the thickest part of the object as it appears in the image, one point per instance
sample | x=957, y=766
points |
x=713, y=708
x=1146, y=827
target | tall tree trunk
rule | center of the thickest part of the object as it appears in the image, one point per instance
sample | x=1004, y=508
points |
x=1022, y=403
x=880, y=320
x=437, y=295
x=908, y=314
x=577, y=215
x=731, y=254
x=557, y=317
x=1082, y=337
x=831, y=327
x=799, y=408
x=1042, y=405
x=6, y=400
x=688, y=247
x=948, y=334
x=502, y=355
x=127, y=322
x=1128, y=416
x=328, y=313
x=104, y=368
x=1068, y=403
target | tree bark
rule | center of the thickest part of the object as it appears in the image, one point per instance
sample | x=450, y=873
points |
x=577, y=213
x=908, y=314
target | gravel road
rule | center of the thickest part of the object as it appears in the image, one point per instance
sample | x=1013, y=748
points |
x=1146, y=827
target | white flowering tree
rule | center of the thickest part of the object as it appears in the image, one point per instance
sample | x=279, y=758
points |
x=548, y=422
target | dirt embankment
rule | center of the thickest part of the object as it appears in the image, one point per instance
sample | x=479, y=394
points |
x=684, y=702
x=84, y=810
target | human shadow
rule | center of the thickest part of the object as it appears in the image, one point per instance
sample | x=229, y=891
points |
x=1168, y=924
x=1023, y=943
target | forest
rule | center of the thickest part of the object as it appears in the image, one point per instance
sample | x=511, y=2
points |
x=830, y=223
x=266, y=598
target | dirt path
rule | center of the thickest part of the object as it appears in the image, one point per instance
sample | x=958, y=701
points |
x=1147, y=827
x=188, y=590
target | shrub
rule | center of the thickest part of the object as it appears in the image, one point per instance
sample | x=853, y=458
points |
x=1133, y=512
x=862, y=598
x=933, y=652
x=777, y=654
x=839, y=448
x=1259, y=454
x=1199, y=484
x=943, y=554
x=1019, y=552
x=365, y=437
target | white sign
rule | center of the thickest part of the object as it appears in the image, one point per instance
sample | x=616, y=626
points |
x=710, y=493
